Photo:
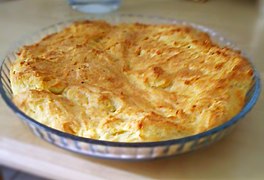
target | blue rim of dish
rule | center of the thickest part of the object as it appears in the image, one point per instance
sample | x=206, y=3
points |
x=247, y=107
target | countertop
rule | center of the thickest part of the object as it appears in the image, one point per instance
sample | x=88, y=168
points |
x=240, y=155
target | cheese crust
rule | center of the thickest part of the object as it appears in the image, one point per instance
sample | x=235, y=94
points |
x=130, y=82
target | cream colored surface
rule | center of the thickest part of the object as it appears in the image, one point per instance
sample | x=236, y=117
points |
x=238, y=156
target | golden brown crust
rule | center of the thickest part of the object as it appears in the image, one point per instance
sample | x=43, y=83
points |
x=130, y=82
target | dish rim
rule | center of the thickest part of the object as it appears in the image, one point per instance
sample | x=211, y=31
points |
x=247, y=107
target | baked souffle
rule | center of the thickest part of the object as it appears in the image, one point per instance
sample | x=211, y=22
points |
x=130, y=82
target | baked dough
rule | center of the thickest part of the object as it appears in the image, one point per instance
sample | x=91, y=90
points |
x=130, y=82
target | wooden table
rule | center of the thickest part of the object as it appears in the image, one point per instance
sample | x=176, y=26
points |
x=238, y=156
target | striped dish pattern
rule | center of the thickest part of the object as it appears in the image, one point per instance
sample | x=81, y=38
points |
x=115, y=152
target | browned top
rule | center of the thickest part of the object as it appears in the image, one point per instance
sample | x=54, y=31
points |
x=130, y=82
